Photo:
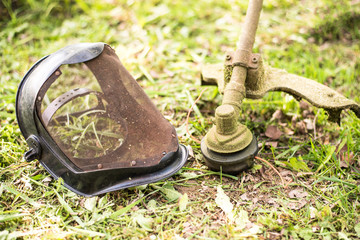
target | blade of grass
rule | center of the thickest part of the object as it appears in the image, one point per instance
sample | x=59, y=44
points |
x=130, y=206
x=82, y=136
x=334, y=179
x=9, y=217
x=211, y=172
x=293, y=150
x=86, y=232
x=21, y=195
x=69, y=209
x=328, y=157
x=188, y=116
x=146, y=74
x=97, y=137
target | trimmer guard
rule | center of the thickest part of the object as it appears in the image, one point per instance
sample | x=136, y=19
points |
x=262, y=79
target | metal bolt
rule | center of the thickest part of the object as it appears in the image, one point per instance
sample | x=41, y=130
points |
x=164, y=153
x=228, y=57
x=57, y=73
x=100, y=166
x=133, y=163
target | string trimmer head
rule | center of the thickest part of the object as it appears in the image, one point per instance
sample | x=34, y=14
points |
x=230, y=146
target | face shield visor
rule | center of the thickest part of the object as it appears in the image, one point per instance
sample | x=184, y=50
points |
x=87, y=120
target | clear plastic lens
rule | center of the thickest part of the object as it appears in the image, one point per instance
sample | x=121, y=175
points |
x=75, y=114
x=70, y=77
x=88, y=135
x=100, y=118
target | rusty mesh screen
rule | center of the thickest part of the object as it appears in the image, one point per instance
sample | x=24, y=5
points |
x=101, y=118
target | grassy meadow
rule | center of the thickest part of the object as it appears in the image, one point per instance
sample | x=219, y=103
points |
x=163, y=44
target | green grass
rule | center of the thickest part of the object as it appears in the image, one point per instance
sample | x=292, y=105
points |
x=163, y=44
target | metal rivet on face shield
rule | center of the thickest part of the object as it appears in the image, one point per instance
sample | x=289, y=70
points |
x=133, y=163
x=100, y=166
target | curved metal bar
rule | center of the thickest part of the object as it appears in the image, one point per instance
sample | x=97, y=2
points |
x=67, y=97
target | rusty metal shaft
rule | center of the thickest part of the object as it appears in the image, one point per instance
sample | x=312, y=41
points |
x=235, y=91
x=247, y=37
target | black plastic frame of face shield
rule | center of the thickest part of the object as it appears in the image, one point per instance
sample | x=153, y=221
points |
x=51, y=156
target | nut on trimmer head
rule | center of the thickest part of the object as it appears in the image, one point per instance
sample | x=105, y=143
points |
x=229, y=146
x=227, y=135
